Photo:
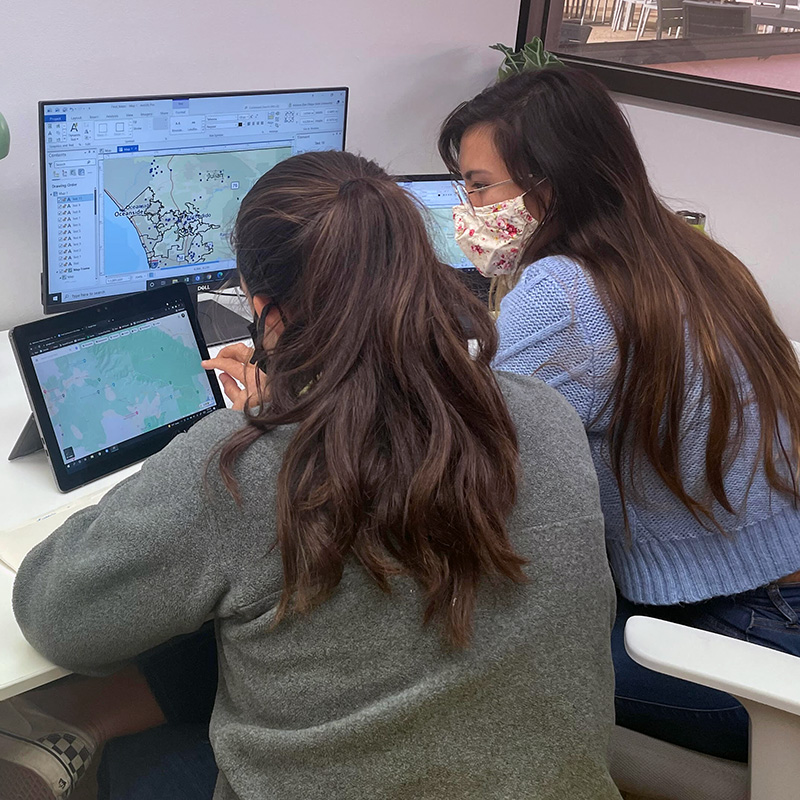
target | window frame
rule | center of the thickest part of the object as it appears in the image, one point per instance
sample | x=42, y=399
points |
x=745, y=100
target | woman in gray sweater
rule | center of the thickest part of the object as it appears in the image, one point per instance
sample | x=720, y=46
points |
x=392, y=540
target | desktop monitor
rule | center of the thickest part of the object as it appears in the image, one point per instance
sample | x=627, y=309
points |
x=142, y=192
x=437, y=195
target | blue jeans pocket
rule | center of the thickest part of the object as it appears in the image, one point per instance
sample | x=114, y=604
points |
x=774, y=620
x=734, y=625
x=760, y=622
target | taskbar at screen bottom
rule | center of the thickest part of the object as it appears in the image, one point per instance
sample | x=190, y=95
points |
x=203, y=281
x=103, y=461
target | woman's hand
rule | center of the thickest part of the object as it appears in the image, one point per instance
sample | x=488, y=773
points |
x=239, y=376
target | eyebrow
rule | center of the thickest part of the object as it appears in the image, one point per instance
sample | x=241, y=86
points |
x=473, y=172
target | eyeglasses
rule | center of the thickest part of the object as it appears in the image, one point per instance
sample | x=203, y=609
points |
x=463, y=193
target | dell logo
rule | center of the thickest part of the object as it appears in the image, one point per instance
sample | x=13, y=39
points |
x=203, y=287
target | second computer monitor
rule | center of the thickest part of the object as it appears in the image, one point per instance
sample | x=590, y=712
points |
x=141, y=192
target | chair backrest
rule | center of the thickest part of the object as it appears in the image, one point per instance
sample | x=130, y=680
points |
x=673, y=7
x=574, y=33
x=715, y=19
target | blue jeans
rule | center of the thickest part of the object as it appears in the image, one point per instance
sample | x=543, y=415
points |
x=182, y=675
x=172, y=762
x=684, y=713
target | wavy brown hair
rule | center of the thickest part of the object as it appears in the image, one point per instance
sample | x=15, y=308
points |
x=404, y=455
x=657, y=277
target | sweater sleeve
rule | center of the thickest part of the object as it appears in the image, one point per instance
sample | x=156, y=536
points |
x=120, y=577
x=543, y=331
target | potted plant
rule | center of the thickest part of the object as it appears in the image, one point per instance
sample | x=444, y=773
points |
x=532, y=56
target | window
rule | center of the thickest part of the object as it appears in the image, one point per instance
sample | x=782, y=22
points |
x=741, y=57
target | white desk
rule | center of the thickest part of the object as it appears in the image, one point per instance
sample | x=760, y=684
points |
x=27, y=489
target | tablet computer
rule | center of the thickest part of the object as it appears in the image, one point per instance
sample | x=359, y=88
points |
x=112, y=384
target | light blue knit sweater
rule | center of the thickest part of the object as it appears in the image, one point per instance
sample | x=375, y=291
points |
x=554, y=325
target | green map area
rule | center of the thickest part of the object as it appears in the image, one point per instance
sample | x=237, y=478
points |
x=442, y=233
x=107, y=390
x=181, y=207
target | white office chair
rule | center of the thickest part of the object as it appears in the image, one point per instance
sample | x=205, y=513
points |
x=765, y=681
x=650, y=769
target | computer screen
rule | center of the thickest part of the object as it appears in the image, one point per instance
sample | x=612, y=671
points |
x=437, y=194
x=142, y=192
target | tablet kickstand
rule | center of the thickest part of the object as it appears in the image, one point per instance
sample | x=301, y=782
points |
x=28, y=442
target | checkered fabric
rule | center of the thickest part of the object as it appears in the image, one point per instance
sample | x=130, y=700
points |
x=72, y=751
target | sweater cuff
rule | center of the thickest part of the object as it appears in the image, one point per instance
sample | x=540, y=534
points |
x=694, y=569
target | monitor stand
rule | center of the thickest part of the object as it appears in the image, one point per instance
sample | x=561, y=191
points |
x=220, y=324
x=28, y=442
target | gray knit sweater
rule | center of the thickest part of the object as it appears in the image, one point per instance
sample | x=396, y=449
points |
x=356, y=700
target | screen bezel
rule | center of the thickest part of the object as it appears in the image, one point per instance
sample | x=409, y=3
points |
x=229, y=279
x=142, y=303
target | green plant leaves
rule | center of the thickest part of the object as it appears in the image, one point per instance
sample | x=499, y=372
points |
x=503, y=48
x=532, y=56
x=5, y=137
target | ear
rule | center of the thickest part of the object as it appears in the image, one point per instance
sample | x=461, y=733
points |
x=538, y=204
x=273, y=324
x=259, y=303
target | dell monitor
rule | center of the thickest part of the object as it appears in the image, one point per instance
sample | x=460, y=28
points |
x=142, y=192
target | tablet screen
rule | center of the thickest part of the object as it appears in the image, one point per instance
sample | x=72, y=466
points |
x=117, y=382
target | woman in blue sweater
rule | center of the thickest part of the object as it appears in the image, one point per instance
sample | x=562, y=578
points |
x=664, y=344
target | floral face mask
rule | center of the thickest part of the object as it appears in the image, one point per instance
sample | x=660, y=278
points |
x=493, y=236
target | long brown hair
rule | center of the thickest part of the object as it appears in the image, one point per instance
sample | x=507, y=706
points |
x=404, y=455
x=657, y=277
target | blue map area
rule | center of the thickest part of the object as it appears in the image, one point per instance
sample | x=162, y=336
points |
x=124, y=251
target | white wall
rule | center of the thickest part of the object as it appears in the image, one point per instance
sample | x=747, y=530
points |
x=407, y=63
x=744, y=175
